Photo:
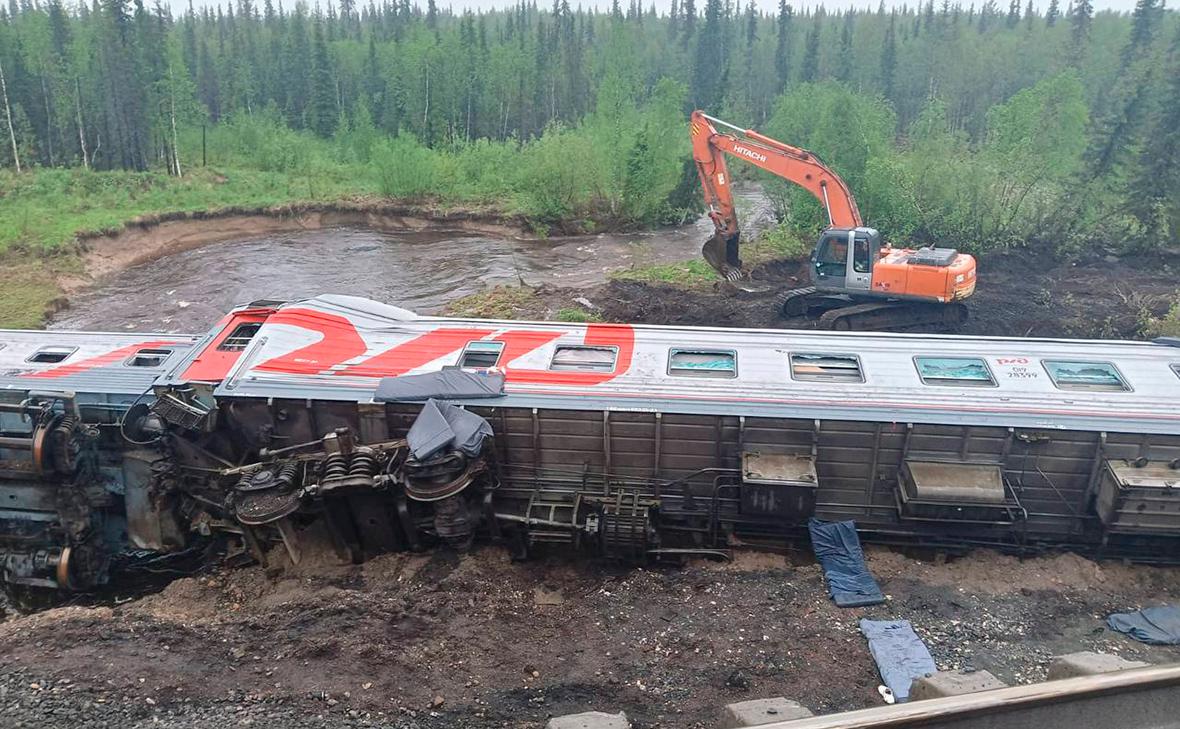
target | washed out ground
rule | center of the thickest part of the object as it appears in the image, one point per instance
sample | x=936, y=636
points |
x=476, y=640
x=1023, y=292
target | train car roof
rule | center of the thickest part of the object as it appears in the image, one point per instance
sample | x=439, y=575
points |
x=340, y=348
x=88, y=362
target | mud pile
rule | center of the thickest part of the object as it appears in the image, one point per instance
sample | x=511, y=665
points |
x=447, y=640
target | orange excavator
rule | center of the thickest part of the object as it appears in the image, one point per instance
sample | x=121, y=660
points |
x=856, y=281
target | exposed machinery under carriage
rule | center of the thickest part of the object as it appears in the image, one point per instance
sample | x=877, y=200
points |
x=276, y=432
x=641, y=486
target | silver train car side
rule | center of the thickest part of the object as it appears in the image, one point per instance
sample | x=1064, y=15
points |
x=341, y=423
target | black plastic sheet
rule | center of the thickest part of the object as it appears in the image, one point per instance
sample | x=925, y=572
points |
x=447, y=384
x=443, y=426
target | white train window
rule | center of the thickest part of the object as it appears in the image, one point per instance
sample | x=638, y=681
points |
x=954, y=371
x=148, y=358
x=1068, y=375
x=826, y=367
x=51, y=355
x=579, y=358
x=481, y=355
x=720, y=363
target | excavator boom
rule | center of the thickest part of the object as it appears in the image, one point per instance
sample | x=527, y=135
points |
x=799, y=166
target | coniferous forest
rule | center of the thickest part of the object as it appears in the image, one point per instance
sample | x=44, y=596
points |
x=973, y=123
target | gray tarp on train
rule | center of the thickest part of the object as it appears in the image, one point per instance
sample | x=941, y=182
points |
x=837, y=548
x=1154, y=625
x=900, y=654
x=442, y=425
x=451, y=383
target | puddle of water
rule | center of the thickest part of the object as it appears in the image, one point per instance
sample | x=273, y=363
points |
x=420, y=271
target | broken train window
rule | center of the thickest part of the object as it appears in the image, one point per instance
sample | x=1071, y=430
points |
x=51, y=355
x=720, y=363
x=826, y=367
x=955, y=371
x=1068, y=375
x=240, y=337
x=148, y=358
x=580, y=358
x=481, y=355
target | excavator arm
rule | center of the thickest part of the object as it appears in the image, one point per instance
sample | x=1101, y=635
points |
x=799, y=166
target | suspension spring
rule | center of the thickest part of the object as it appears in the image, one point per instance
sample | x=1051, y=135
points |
x=335, y=466
x=288, y=475
x=364, y=463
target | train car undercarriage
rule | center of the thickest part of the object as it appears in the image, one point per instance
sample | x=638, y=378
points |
x=93, y=490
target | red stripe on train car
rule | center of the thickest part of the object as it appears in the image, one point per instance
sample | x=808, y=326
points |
x=339, y=342
x=418, y=351
x=621, y=336
x=213, y=364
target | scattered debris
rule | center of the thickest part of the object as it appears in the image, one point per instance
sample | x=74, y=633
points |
x=837, y=547
x=900, y=654
x=1154, y=625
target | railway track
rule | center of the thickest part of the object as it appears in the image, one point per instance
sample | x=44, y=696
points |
x=1141, y=698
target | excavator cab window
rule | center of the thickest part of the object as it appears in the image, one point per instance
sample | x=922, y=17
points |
x=831, y=257
x=862, y=257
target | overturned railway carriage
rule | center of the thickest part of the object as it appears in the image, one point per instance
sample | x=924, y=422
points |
x=343, y=422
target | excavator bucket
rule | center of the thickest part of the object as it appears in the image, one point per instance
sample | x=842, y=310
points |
x=721, y=252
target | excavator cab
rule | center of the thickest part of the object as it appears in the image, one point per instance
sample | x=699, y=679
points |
x=843, y=259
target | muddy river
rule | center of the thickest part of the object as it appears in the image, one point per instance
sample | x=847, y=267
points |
x=421, y=271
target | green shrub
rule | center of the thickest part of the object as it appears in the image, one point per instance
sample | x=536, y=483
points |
x=404, y=168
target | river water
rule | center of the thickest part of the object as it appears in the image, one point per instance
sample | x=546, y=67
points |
x=421, y=271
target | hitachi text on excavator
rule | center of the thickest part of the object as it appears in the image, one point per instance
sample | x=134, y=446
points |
x=857, y=281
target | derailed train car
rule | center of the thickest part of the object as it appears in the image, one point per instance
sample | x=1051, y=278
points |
x=343, y=422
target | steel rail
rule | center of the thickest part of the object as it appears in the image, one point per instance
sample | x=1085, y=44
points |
x=1139, y=698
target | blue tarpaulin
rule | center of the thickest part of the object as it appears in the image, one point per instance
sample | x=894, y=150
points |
x=1154, y=625
x=900, y=654
x=837, y=548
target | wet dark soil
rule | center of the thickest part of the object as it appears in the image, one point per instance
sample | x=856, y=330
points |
x=1023, y=292
x=476, y=640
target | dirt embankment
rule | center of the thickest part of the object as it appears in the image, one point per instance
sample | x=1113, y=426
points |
x=151, y=237
x=476, y=640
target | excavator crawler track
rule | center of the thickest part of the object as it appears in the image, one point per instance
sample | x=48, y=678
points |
x=895, y=316
x=793, y=302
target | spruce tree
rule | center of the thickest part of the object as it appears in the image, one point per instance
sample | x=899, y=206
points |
x=809, y=70
x=1154, y=191
x=322, y=114
x=709, y=62
x=1079, y=32
x=889, y=57
x=782, y=49
x=846, y=55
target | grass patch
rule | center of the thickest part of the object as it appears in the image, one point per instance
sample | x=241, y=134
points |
x=682, y=273
x=778, y=242
x=576, y=315
x=773, y=244
x=501, y=302
x=42, y=211
x=27, y=291
x=1167, y=325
